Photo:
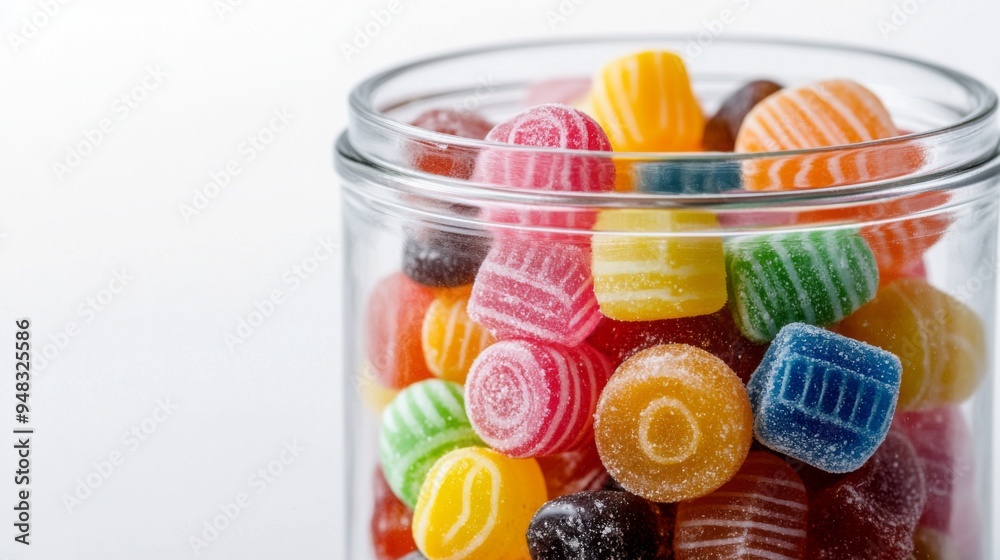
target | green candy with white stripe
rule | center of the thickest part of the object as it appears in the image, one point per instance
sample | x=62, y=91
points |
x=421, y=424
x=818, y=277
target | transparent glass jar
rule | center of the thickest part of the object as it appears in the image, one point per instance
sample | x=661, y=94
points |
x=946, y=202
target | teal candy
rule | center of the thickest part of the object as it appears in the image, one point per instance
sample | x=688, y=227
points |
x=424, y=421
x=817, y=278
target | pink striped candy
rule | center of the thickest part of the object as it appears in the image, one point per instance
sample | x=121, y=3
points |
x=540, y=291
x=531, y=399
x=547, y=126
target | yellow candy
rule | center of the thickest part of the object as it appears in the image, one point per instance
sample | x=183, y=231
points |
x=451, y=339
x=939, y=340
x=645, y=103
x=373, y=394
x=477, y=504
x=639, y=278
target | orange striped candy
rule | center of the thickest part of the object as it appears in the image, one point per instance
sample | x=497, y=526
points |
x=831, y=113
x=451, y=339
x=645, y=103
x=762, y=512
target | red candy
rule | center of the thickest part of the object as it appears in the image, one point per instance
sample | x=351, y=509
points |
x=872, y=512
x=538, y=291
x=392, y=537
x=574, y=471
x=530, y=399
x=558, y=90
x=450, y=161
x=394, y=319
x=715, y=333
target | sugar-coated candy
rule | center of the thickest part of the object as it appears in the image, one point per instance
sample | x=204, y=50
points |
x=716, y=333
x=390, y=523
x=375, y=395
x=673, y=423
x=823, y=398
x=425, y=421
x=451, y=339
x=929, y=544
x=943, y=445
x=568, y=91
x=529, y=399
x=537, y=291
x=476, y=505
x=816, y=277
x=393, y=320
x=642, y=278
x=443, y=259
x=574, y=471
x=939, y=339
x=604, y=525
x=450, y=161
x=645, y=103
x=830, y=113
x=871, y=513
x=763, y=512
x=722, y=128
x=696, y=176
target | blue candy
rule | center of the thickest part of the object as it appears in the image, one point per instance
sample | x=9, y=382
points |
x=687, y=177
x=824, y=399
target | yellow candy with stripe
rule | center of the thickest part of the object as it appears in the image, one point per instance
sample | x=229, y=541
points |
x=451, y=339
x=645, y=278
x=645, y=103
x=477, y=504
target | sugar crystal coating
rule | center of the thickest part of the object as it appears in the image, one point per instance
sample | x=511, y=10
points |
x=451, y=339
x=450, y=161
x=673, y=423
x=476, y=505
x=823, y=398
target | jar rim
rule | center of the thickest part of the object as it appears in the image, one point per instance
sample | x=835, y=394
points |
x=978, y=119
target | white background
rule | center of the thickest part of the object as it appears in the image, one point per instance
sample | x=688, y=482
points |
x=163, y=337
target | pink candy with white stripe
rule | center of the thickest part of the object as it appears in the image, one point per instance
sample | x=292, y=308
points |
x=531, y=399
x=536, y=291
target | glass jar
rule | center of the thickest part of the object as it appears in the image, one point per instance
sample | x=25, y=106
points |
x=936, y=313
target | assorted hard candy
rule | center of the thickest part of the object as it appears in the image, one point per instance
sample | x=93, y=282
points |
x=599, y=381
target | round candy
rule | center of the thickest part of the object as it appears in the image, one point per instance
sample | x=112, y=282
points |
x=393, y=320
x=476, y=505
x=390, y=524
x=451, y=339
x=940, y=341
x=557, y=90
x=763, y=512
x=442, y=258
x=425, y=421
x=603, y=525
x=640, y=278
x=528, y=399
x=673, y=423
x=831, y=113
x=721, y=129
x=574, y=471
x=450, y=161
x=645, y=103
x=373, y=394
x=872, y=512
x=715, y=333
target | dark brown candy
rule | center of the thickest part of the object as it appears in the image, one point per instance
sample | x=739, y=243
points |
x=443, y=259
x=721, y=130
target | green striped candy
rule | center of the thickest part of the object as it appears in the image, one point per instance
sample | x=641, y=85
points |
x=424, y=421
x=818, y=278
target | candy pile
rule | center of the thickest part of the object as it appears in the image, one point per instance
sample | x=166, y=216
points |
x=643, y=392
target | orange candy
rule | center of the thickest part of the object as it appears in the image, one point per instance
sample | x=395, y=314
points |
x=830, y=113
x=451, y=339
x=673, y=423
x=393, y=321
x=763, y=512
